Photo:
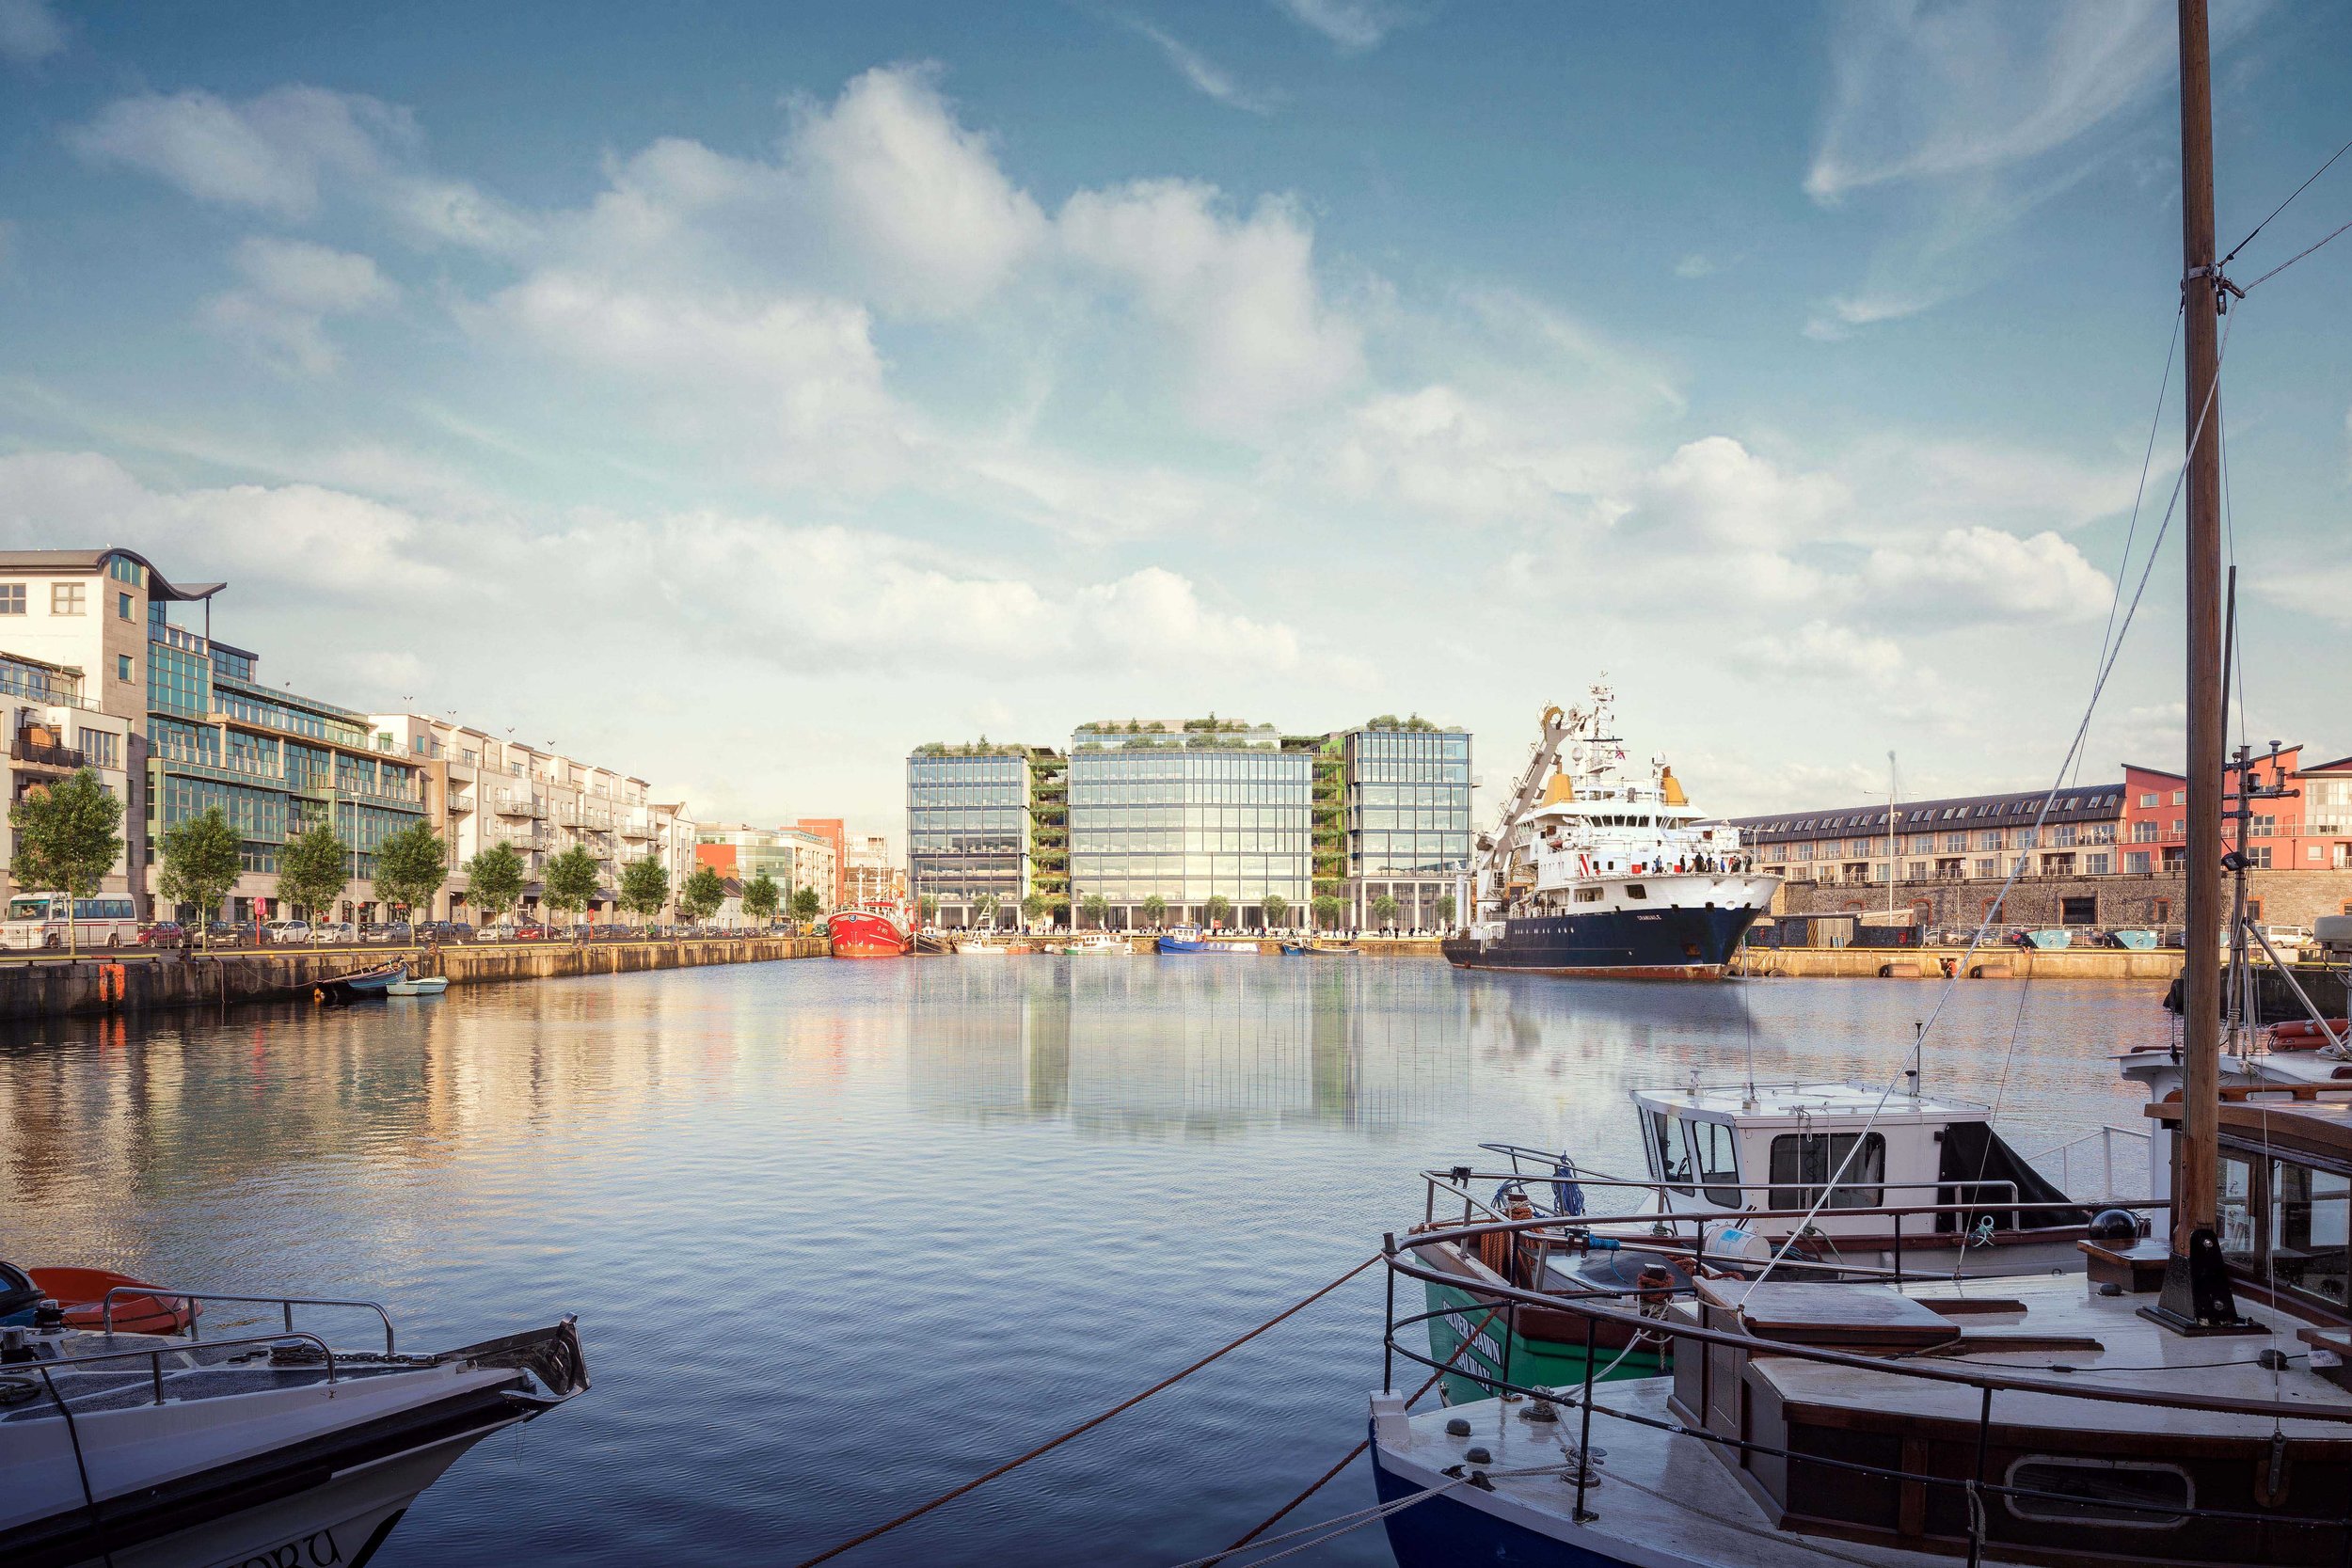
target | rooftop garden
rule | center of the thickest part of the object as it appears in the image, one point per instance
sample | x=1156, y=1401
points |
x=980, y=748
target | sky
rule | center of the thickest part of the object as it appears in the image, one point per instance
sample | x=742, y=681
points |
x=741, y=395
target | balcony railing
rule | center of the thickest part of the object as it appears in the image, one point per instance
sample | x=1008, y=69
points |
x=43, y=755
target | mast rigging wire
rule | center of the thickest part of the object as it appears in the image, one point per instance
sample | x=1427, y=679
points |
x=2283, y=205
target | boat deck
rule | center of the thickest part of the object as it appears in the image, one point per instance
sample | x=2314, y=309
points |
x=187, y=1371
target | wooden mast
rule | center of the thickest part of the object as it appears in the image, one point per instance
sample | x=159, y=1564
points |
x=2200, y=303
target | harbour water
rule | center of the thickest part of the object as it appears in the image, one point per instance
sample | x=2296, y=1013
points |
x=841, y=1235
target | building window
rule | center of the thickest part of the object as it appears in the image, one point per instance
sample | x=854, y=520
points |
x=123, y=569
x=2147, y=801
x=2095, y=865
x=2136, y=862
x=65, y=598
x=2258, y=857
x=11, y=598
x=123, y=667
x=2180, y=796
x=122, y=607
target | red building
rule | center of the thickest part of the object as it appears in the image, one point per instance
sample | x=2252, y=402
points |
x=2154, y=835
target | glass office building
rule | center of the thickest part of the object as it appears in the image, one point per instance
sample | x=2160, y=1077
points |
x=967, y=809
x=1408, y=820
x=1185, y=812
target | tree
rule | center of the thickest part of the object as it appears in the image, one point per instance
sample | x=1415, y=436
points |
x=409, y=868
x=1156, y=909
x=571, y=879
x=1276, y=908
x=1098, y=910
x=66, y=841
x=1327, y=912
x=314, y=870
x=761, y=897
x=700, y=898
x=1382, y=911
x=494, y=879
x=644, y=886
x=202, y=860
x=805, y=904
x=1217, y=910
x=1033, y=907
x=1445, y=909
x=984, y=908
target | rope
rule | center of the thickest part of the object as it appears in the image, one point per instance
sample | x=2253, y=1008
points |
x=1378, y=1512
x=1128, y=1403
x=2282, y=206
x=1350, y=1457
x=2291, y=259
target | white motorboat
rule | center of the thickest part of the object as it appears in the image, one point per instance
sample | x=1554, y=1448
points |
x=168, y=1450
x=418, y=985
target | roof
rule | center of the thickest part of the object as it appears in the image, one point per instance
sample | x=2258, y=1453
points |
x=2340, y=765
x=158, y=586
x=1816, y=1102
x=2097, y=803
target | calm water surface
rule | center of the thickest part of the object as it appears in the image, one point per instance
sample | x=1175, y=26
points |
x=841, y=1235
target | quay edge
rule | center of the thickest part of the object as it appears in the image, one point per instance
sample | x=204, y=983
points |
x=110, y=983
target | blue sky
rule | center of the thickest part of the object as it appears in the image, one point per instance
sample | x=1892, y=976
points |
x=743, y=394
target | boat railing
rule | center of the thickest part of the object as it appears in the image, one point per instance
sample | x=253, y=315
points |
x=1601, y=1306
x=285, y=1303
x=2137, y=1140
x=153, y=1355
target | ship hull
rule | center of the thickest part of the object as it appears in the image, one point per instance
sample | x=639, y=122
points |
x=866, y=935
x=1611, y=944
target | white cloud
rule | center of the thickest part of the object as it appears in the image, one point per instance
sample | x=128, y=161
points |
x=1206, y=76
x=29, y=31
x=1695, y=265
x=1352, y=25
x=280, y=152
x=1973, y=575
x=291, y=288
x=1818, y=651
x=1714, y=492
x=1237, y=296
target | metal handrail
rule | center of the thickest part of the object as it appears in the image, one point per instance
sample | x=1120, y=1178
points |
x=106, y=1306
x=155, y=1355
x=1980, y=1378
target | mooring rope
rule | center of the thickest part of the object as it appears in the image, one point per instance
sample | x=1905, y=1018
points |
x=1128, y=1403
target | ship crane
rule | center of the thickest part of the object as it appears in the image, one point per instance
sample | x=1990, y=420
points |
x=1490, y=867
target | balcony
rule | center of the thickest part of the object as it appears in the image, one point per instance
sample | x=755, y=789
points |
x=38, y=748
x=508, y=804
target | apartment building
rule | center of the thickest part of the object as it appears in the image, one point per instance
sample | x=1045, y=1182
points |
x=53, y=732
x=871, y=876
x=792, y=858
x=491, y=789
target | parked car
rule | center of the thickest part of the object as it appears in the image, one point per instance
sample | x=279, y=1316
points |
x=386, y=930
x=445, y=930
x=162, y=933
x=530, y=930
x=286, y=930
x=334, y=931
x=228, y=933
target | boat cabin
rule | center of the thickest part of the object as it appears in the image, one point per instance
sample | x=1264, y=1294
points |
x=1777, y=1148
x=2284, y=1212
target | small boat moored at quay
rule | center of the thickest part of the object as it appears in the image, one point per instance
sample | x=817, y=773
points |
x=1192, y=939
x=418, y=985
x=170, y=1451
x=1590, y=872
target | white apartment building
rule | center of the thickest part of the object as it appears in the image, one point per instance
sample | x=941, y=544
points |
x=53, y=731
x=484, y=790
x=873, y=877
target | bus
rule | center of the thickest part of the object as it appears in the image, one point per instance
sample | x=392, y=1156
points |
x=37, y=920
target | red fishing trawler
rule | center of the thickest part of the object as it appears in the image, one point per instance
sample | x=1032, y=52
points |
x=876, y=930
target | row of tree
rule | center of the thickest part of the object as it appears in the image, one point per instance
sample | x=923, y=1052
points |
x=69, y=836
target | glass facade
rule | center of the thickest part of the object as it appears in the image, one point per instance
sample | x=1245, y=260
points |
x=1409, y=821
x=965, y=831
x=1186, y=823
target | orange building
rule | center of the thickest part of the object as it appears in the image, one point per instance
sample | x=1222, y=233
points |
x=830, y=829
x=2153, y=833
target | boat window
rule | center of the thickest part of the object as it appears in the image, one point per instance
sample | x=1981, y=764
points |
x=1673, y=1152
x=2099, y=1491
x=1718, y=1154
x=1588, y=895
x=2233, y=1215
x=1635, y=890
x=2308, y=1233
x=1814, y=1157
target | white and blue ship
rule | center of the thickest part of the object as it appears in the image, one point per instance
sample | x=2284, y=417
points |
x=1595, y=870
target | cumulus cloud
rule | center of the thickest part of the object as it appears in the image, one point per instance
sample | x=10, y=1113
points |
x=1822, y=652
x=1973, y=575
x=285, y=151
x=29, y=31
x=808, y=598
x=291, y=288
x=1238, y=297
